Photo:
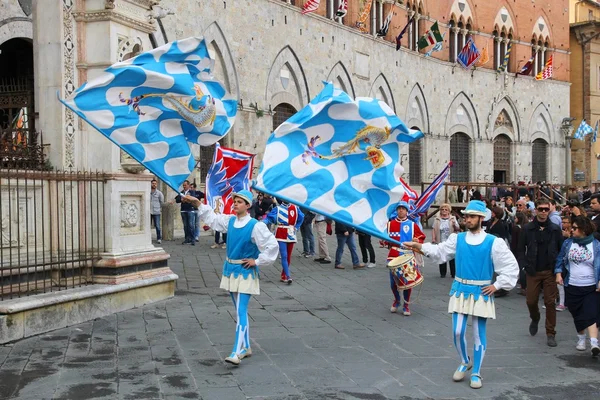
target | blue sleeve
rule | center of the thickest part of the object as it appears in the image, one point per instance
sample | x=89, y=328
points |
x=558, y=267
x=300, y=218
x=271, y=217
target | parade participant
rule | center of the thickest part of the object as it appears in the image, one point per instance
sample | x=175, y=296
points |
x=402, y=229
x=579, y=260
x=288, y=219
x=250, y=246
x=478, y=255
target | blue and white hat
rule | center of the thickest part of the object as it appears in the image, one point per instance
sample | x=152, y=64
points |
x=476, y=207
x=245, y=195
x=403, y=204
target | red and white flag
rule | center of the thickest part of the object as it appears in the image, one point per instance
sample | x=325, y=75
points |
x=547, y=72
x=310, y=6
x=342, y=9
x=229, y=173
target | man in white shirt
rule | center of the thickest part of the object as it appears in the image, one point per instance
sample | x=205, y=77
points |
x=478, y=255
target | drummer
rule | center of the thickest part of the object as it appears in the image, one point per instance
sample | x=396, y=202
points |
x=478, y=255
x=402, y=229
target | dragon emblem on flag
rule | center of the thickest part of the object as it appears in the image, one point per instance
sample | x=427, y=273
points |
x=369, y=139
x=200, y=111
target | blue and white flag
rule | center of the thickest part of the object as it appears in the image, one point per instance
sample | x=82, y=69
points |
x=340, y=158
x=595, y=132
x=157, y=103
x=583, y=130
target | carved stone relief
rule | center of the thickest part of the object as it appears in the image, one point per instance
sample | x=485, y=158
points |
x=131, y=211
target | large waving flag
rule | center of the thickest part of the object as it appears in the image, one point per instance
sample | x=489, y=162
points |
x=340, y=158
x=583, y=130
x=229, y=173
x=468, y=55
x=153, y=105
x=429, y=195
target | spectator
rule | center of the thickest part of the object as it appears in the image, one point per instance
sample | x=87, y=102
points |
x=595, y=213
x=199, y=195
x=156, y=201
x=539, y=245
x=321, y=225
x=444, y=225
x=345, y=236
x=497, y=226
x=554, y=215
x=452, y=196
x=530, y=204
x=586, y=195
x=364, y=242
x=308, y=239
x=263, y=206
x=520, y=221
x=579, y=258
x=188, y=213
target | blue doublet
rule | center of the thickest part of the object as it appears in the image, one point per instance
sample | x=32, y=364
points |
x=473, y=263
x=240, y=246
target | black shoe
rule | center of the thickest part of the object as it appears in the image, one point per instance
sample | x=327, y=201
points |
x=551, y=341
x=193, y=243
x=533, y=327
x=442, y=276
x=319, y=260
x=326, y=262
x=185, y=242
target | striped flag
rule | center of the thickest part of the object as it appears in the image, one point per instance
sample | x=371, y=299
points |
x=402, y=32
x=547, y=72
x=526, y=69
x=428, y=196
x=364, y=16
x=595, y=132
x=229, y=173
x=502, y=67
x=468, y=55
x=386, y=25
x=342, y=9
x=409, y=193
x=310, y=6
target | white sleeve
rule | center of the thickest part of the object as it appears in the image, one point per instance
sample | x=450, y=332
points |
x=218, y=222
x=440, y=253
x=505, y=265
x=266, y=243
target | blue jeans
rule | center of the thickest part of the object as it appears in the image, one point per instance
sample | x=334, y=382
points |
x=156, y=221
x=189, y=225
x=346, y=240
x=308, y=239
x=197, y=226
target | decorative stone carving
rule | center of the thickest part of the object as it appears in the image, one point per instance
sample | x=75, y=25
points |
x=131, y=208
x=159, y=12
x=68, y=82
x=109, y=4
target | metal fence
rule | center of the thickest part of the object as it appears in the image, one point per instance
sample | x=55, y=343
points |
x=52, y=229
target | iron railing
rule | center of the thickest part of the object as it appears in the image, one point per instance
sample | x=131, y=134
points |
x=52, y=229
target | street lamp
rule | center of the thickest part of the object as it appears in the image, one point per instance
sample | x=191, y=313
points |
x=566, y=128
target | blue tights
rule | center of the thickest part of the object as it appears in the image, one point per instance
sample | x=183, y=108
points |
x=459, y=326
x=242, y=334
x=405, y=293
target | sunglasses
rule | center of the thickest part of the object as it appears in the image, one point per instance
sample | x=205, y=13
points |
x=574, y=228
x=519, y=205
x=543, y=209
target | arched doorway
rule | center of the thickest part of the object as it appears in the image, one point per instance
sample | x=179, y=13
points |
x=17, y=97
x=539, y=160
x=502, y=159
x=460, y=155
x=282, y=112
x=415, y=161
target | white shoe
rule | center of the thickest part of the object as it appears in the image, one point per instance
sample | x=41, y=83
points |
x=461, y=371
x=233, y=359
x=159, y=241
x=246, y=352
x=214, y=246
x=476, y=382
x=595, y=350
x=580, y=344
x=395, y=306
x=371, y=265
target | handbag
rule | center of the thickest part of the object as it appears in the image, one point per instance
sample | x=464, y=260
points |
x=329, y=230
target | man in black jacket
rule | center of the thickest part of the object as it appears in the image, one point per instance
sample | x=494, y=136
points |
x=539, y=245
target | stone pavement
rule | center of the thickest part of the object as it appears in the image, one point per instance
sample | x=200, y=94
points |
x=329, y=335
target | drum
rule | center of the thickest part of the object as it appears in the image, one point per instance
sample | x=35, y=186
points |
x=405, y=271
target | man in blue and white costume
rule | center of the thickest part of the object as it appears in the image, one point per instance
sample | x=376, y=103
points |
x=478, y=255
x=250, y=245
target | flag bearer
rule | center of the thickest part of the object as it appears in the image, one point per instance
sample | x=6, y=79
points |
x=250, y=244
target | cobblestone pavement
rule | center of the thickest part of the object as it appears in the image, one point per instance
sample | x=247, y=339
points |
x=330, y=335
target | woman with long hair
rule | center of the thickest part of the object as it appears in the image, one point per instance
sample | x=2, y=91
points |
x=579, y=258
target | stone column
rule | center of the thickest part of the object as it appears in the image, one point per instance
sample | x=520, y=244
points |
x=129, y=254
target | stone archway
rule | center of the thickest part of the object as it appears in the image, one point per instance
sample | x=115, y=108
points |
x=286, y=82
x=381, y=90
x=341, y=79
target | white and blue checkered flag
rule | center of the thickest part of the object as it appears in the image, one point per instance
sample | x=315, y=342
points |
x=583, y=130
x=340, y=158
x=157, y=103
x=595, y=132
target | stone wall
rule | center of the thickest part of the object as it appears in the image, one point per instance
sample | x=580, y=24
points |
x=273, y=54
